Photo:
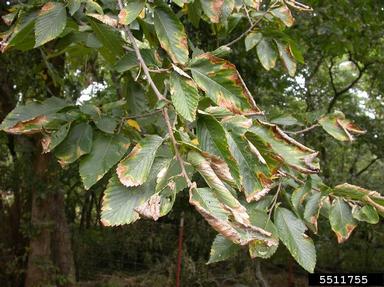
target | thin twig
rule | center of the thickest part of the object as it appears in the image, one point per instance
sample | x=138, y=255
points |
x=303, y=130
x=138, y=74
x=159, y=70
x=247, y=31
x=366, y=167
x=247, y=13
x=159, y=97
x=250, y=27
x=274, y=201
x=299, y=180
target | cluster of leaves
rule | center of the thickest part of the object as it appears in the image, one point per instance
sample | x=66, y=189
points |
x=261, y=184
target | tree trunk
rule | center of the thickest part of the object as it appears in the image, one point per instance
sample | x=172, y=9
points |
x=50, y=258
x=63, y=256
x=39, y=259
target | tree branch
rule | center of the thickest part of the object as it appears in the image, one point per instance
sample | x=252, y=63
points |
x=315, y=69
x=337, y=93
x=303, y=130
x=366, y=167
x=159, y=97
x=331, y=77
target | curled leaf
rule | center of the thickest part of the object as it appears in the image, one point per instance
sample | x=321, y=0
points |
x=339, y=127
x=134, y=169
x=106, y=19
x=120, y=202
x=150, y=208
x=49, y=142
x=284, y=14
x=222, y=83
x=287, y=150
x=213, y=9
x=202, y=165
x=30, y=117
x=218, y=217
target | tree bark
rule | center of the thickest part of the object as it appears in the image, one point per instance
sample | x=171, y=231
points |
x=50, y=257
x=61, y=241
x=39, y=258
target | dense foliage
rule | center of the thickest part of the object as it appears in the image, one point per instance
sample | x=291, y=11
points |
x=175, y=114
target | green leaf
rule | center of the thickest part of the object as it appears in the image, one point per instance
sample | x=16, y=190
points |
x=106, y=124
x=194, y=13
x=354, y=192
x=131, y=11
x=51, y=141
x=220, y=219
x=32, y=116
x=255, y=4
x=255, y=175
x=260, y=218
x=184, y=95
x=91, y=110
x=339, y=127
x=267, y=54
x=215, y=9
x=312, y=210
x=111, y=106
x=226, y=9
x=106, y=151
x=366, y=213
x=212, y=139
x=293, y=153
x=222, y=249
x=129, y=60
x=93, y=6
x=73, y=6
x=112, y=42
x=286, y=120
x=284, y=14
x=169, y=182
x=120, y=202
x=341, y=219
x=22, y=36
x=252, y=39
x=221, y=82
x=287, y=58
x=126, y=63
x=299, y=195
x=134, y=169
x=211, y=177
x=296, y=51
x=222, y=51
x=171, y=34
x=50, y=23
x=77, y=143
x=291, y=231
